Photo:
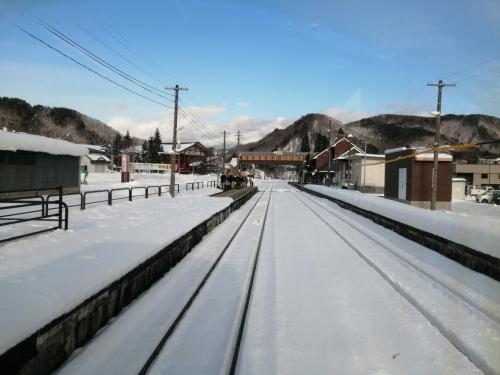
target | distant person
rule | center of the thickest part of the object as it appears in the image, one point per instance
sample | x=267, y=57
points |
x=223, y=181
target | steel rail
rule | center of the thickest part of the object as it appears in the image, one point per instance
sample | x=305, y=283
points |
x=244, y=313
x=451, y=337
x=154, y=355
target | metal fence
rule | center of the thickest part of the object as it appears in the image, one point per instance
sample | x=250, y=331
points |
x=47, y=205
x=32, y=207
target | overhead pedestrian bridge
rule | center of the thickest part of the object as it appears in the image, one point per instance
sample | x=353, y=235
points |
x=273, y=158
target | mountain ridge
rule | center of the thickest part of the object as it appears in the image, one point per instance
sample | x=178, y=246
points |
x=380, y=132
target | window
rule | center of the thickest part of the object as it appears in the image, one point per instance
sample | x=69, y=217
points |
x=484, y=175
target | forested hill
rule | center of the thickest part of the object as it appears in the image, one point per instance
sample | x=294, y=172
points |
x=389, y=131
x=17, y=114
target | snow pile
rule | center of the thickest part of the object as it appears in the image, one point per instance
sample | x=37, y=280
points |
x=29, y=142
x=482, y=235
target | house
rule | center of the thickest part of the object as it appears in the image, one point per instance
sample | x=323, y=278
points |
x=486, y=172
x=408, y=177
x=338, y=166
x=36, y=163
x=95, y=163
x=188, y=154
x=367, y=172
x=214, y=164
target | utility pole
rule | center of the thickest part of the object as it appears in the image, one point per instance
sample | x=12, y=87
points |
x=224, y=150
x=238, y=151
x=440, y=86
x=329, y=150
x=364, y=171
x=174, y=138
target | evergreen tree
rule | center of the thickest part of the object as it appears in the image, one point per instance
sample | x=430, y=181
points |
x=156, y=147
x=321, y=142
x=151, y=148
x=116, y=147
x=304, y=146
x=143, y=157
x=127, y=140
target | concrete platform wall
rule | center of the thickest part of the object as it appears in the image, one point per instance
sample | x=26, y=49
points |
x=45, y=350
x=470, y=258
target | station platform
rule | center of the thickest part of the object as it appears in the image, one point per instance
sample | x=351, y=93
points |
x=235, y=193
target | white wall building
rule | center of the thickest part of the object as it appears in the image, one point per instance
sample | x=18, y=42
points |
x=367, y=172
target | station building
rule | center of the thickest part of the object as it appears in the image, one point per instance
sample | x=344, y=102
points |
x=36, y=163
x=408, y=177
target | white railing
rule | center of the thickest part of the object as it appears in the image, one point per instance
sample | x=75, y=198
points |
x=149, y=167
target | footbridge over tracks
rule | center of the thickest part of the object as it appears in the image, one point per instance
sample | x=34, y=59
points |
x=273, y=158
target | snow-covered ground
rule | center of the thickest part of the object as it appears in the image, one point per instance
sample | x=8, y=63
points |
x=57, y=270
x=475, y=225
x=104, y=242
x=374, y=304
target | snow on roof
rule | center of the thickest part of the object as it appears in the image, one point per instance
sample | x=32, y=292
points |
x=96, y=157
x=94, y=147
x=430, y=157
x=167, y=147
x=372, y=156
x=393, y=150
x=36, y=143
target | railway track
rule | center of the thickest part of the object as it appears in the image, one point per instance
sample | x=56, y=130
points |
x=231, y=359
x=485, y=316
x=275, y=294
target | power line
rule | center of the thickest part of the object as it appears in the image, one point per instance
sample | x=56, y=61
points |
x=87, y=67
x=198, y=124
x=488, y=71
x=120, y=38
x=472, y=66
x=122, y=56
x=102, y=62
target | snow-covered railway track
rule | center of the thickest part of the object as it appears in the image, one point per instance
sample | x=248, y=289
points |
x=238, y=322
x=469, y=320
x=155, y=327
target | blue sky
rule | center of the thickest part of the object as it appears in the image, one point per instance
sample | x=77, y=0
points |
x=253, y=65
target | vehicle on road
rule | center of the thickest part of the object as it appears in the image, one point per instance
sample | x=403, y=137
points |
x=492, y=196
x=477, y=190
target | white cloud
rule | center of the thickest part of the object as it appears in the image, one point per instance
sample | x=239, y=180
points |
x=346, y=115
x=242, y=104
x=143, y=128
x=253, y=129
x=206, y=128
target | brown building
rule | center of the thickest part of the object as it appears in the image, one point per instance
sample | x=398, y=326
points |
x=408, y=177
x=339, y=167
x=190, y=156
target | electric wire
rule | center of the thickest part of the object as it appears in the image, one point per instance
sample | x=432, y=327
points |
x=472, y=67
x=100, y=61
x=120, y=38
x=88, y=68
x=129, y=61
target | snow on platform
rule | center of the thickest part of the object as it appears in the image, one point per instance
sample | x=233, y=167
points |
x=44, y=276
x=467, y=227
